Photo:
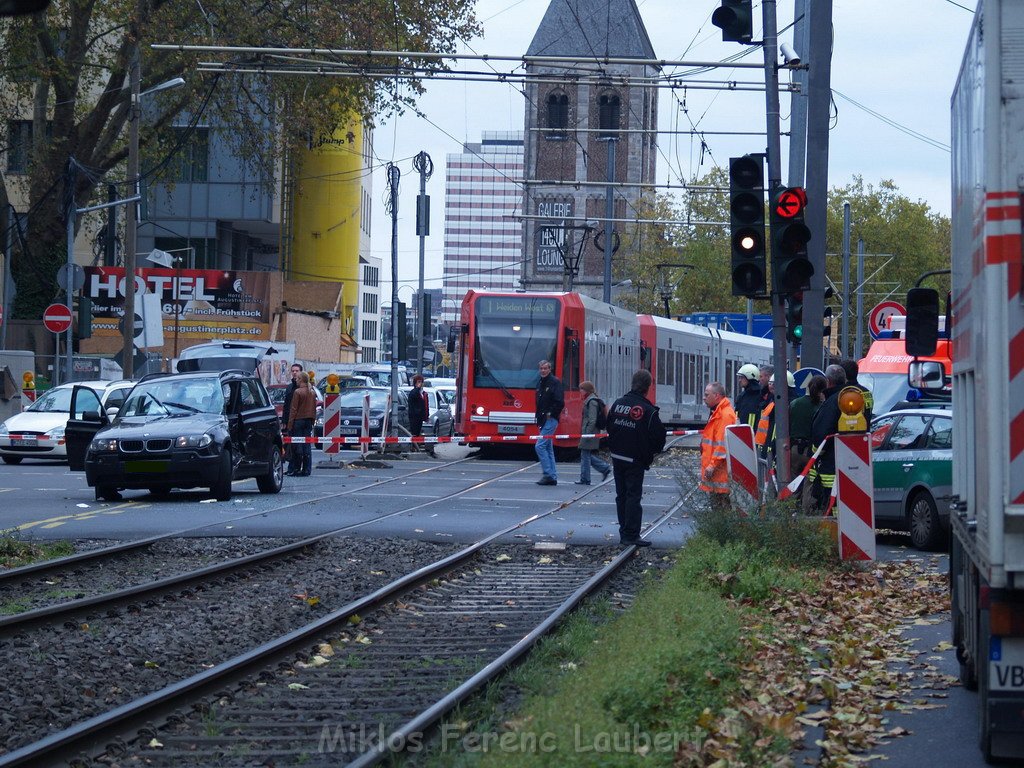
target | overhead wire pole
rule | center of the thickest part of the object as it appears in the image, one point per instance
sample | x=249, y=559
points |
x=425, y=167
x=131, y=221
x=774, y=157
x=393, y=176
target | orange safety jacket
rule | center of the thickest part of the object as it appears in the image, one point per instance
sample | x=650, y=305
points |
x=712, y=448
x=764, y=424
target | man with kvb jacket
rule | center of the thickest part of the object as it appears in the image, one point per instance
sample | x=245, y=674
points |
x=635, y=435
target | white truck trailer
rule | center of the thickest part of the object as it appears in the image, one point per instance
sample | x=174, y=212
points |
x=987, y=312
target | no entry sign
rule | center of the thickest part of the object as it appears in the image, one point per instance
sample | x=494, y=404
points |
x=57, y=318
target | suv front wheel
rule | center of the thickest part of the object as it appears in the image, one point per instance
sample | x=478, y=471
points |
x=221, y=490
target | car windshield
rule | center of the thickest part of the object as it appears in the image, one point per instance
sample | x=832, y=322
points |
x=174, y=397
x=887, y=389
x=53, y=401
x=513, y=334
x=354, y=398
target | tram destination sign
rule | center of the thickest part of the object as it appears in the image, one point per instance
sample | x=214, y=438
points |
x=519, y=307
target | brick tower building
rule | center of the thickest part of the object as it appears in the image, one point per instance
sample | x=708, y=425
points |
x=573, y=110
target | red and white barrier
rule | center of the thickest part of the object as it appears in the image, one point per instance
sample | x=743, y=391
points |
x=353, y=440
x=742, y=457
x=332, y=420
x=854, y=489
x=795, y=483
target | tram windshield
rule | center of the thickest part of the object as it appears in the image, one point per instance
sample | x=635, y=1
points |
x=513, y=334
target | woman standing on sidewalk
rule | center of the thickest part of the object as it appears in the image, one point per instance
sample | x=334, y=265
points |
x=592, y=407
x=300, y=424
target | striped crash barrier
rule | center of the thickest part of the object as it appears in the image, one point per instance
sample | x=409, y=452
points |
x=357, y=440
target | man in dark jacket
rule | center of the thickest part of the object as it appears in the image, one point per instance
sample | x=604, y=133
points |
x=825, y=423
x=289, y=392
x=635, y=436
x=748, y=395
x=550, y=402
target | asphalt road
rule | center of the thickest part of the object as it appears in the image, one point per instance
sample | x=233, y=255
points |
x=47, y=501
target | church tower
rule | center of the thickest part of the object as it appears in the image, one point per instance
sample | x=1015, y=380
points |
x=573, y=110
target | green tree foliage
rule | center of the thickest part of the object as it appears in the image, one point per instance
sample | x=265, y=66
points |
x=66, y=71
x=914, y=238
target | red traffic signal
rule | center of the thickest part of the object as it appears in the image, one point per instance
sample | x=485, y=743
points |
x=790, y=203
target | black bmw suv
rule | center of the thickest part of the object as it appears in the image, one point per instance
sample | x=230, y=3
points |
x=182, y=430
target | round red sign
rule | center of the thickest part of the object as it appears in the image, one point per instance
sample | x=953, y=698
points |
x=57, y=318
x=880, y=314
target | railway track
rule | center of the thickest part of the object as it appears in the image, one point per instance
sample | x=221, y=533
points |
x=181, y=588
x=478, y=612
x=85, y=559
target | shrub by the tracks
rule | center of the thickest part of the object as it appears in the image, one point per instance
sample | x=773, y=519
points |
x=14, y=552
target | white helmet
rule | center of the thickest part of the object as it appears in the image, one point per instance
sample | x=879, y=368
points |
x=789, y=380
x=748, y=371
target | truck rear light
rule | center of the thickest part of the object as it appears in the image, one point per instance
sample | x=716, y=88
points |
x=1005, y=619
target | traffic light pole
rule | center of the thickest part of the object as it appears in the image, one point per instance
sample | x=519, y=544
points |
x=774, y=157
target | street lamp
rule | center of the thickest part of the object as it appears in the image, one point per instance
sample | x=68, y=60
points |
x=131, y=218
x=666, y=289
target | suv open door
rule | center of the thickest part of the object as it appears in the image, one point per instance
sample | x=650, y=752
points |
x=87, y=417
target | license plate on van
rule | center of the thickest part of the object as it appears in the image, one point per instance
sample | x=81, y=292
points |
x=511, y=429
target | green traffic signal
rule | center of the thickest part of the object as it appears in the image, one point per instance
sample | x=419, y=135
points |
x=795, y=318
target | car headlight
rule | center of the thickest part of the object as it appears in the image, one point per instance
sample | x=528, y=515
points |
x=103, y=445
x=56, y=433
x=193, y=441
x=4, y=430
x=375, y=423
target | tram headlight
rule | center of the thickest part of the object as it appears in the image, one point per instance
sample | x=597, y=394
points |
x=479, y=410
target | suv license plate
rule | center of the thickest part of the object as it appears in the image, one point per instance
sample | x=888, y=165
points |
x=511, y=429
x=146, y=466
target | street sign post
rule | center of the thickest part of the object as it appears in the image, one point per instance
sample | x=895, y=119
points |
x=57, y=320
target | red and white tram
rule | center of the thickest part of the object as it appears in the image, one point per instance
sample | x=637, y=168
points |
x=505, y=335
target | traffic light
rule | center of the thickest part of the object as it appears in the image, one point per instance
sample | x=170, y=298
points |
x=795, y=318
x=746, y=218
x=84, y=326
x=735, y=19
x=791, y=268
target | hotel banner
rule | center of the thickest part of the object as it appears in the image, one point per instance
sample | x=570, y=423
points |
x=196, y=303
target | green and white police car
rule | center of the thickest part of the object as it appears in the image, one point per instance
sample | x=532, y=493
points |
x=912, y=460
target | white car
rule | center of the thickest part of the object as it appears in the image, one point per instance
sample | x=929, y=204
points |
x=38, y=431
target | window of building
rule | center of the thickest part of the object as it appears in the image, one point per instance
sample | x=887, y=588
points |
x=371, y=276
x=370, y=303
x=19, y=144
x=608, y=112
x=369, y=330
x=558, y=114
x=192, y=160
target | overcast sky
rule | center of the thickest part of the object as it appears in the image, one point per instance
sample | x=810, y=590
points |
x=894, y=65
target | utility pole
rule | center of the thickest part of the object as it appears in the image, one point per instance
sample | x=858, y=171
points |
x=609, y=214
x=425, y=167
x=844, y=321
x=819, y=94
x=774, y=157
x=131, y=221
x=393, y=176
